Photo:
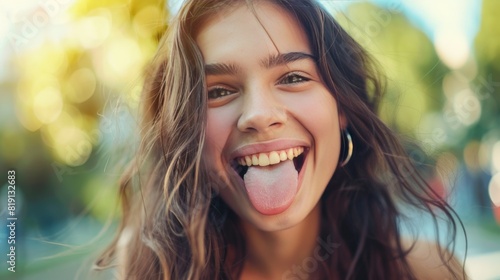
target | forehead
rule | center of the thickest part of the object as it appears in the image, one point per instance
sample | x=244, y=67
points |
x=267, y=29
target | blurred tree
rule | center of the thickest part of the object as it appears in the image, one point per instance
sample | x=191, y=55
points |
x=64, y=88
x=407, y=58
x=486, y=87
x=456, y=110
x=487, y=51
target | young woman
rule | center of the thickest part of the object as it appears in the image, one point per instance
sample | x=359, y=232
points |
x=263, y=157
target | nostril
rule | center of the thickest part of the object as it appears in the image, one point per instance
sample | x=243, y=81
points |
x=261, y=116
x=259, y=124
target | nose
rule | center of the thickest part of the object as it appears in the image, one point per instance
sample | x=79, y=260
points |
x=261, y=112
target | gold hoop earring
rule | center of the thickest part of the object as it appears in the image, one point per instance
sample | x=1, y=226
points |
x=350, y=148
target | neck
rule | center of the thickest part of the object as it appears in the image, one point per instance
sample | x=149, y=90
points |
x=272, y=254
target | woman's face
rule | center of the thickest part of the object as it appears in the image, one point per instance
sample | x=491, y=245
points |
x=272, y=126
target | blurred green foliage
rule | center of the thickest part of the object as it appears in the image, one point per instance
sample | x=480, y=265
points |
x=63, y=91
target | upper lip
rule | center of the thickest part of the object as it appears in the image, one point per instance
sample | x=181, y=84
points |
x=267, y=146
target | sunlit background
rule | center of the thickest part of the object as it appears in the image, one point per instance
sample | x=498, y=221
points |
x=70, y=78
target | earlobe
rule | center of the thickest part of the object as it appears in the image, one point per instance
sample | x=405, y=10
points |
x=342, y=121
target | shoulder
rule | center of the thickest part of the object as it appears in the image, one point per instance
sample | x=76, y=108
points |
x=430, y=261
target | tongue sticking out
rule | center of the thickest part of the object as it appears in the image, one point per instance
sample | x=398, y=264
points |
x=272, y=188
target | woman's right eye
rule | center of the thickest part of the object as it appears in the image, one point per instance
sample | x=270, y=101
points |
x=218, y=92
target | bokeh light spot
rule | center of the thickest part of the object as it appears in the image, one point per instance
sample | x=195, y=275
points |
x=494, y=189
x=452, y=47
x=93, y=30
x=471, y=155
x=120, y=60
x=454, y=82
x=47, y=105
x=26, y=116
x=122, y=54
x=467, y=107
x=83, y=84
x=495, y=157
x=148, y=20
x=72, y=146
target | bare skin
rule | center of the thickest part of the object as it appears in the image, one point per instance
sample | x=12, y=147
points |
x=426, y=263
x=272, y=255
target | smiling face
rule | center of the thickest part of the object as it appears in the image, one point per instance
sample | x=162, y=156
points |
x=272, y=125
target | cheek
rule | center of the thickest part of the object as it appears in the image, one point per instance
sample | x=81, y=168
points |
x=326, y=125
x=219, y=124
x=318, y=114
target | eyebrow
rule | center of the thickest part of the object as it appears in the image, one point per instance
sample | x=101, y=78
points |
x=271, y=61
x=285, y=58
x=221, y=69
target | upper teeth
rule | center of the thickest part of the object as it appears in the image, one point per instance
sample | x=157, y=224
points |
x=270, y=158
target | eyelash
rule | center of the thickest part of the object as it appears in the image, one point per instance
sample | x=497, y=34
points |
x=215, y=92
x=293, y=76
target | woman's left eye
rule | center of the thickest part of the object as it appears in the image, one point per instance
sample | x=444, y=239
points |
x=218, y=92
x=293, y=78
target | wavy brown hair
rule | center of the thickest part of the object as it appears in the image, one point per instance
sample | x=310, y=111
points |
x=175, y=226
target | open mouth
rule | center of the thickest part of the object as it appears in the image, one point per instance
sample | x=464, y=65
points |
x=297, y=155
